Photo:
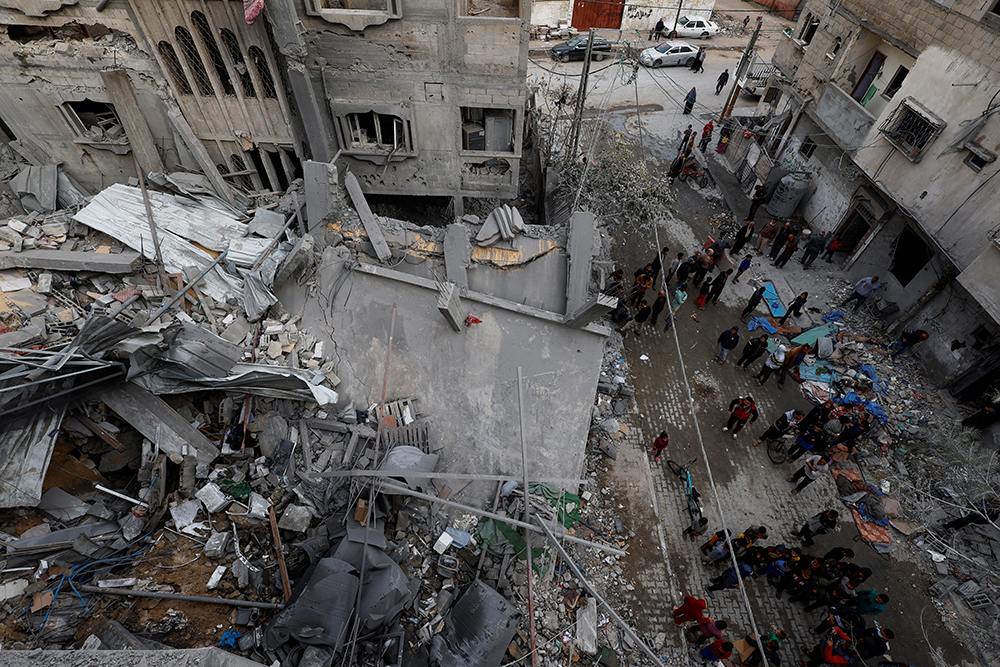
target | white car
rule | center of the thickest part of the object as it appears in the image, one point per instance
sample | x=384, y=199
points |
x=695, y=27
x=668, y=54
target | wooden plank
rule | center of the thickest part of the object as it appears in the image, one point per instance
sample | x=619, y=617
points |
x=367, y=217
x=140, y=138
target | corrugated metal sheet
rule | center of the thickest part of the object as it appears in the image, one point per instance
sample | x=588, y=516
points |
x=25, y=449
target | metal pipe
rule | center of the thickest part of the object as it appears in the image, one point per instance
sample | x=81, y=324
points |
x=177, y=596
x=162, y=272
x=504, y=519
x=188, y=286
x=442, y=475
x=134, y=501
x=527, y=519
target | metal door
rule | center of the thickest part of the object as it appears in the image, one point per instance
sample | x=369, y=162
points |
x=589, y=14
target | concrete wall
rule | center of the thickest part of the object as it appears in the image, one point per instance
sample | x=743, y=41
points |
x=422, y=68
x=38, y=76
x=643, y=19
x=551, y=12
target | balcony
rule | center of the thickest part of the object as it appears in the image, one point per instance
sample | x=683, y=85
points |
x=980, y=279
x=788, y=56
x=843, y=119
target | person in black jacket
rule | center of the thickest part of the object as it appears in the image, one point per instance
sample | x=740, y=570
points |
x=718, y=284
x=658, y=306
x=755, y=298
x=782, y=425
x=742, y=238
x=819, y=524
x=795, y=307
x=752, y=351
x=727, y=341
x=684, y=270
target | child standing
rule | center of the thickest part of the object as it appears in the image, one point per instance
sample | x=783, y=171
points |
x=744, y=265
x=706, y=288
x=660, y=444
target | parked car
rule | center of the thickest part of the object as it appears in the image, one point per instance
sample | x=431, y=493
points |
x=576, y=49
x=695, y=27
x=668, y=54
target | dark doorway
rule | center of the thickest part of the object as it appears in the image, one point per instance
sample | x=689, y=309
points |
x=854, y=228
x=911, y=256
x=874, y=67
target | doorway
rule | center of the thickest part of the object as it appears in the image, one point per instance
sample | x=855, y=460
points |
x=872, y=71
x=854, y=228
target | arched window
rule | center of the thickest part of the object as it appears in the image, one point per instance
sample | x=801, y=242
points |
x=239, y=64
x=214, y=54
x=239, y=165
x=263, y=71
x=810, y=30
x=836, y=47
x=174, y=67
x=190, y=51
x=805, y=25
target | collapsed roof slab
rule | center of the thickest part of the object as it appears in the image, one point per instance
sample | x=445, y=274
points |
x=64, y=260
x=466, y=381
x=202, y=657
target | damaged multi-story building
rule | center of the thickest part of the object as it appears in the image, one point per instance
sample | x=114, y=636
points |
x=418, y=99
x=888, y=107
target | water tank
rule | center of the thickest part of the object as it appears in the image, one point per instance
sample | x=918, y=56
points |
x=787, y=195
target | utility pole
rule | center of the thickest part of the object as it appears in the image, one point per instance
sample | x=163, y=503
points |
x=673, y=31
x=741, y=70
x=581, y=95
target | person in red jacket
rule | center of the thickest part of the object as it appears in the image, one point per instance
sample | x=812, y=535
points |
x=719, y=650
x=833, y=651
x=741, y=410
x=660, y=444
x=690, y=611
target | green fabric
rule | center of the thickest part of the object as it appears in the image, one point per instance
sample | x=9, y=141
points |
x=500, y=539
x=554, y=496
x=241, y=490
x=812, y=335
x=870, y=94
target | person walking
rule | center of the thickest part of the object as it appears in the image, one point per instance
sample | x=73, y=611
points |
x=643, y=281
x=639, y=319
x=706, y=135
x=742, y=410
x=765, y=236
x=729, y=579
x=656, y=34
x=759, y=194
x=791, y=245
x=804, y=442
x=795, y=307
x=752, y=351
x=814, y=246
x=690, y=610
x=818, y=524
x=833, y=651
x=699, y=60
x=674, y=265
x=814, y=467
x=755, y=299
x=771, y=364
x=743, y=237
x=793, y=358
x=719, y=284
x=685, y=268
x=833, y=247
x=717, y=651
x=703, y=295
x=684, y=140
x=722, y=81
x=689, y=100
x=657, y=263
x=658, y=306
x=870, y=603
x=780, y=239
x=744, y=266
x=660, y=444
x=863, y=289
x=908, y=339
x=680, y=296
x=706, y=628
x=873, y=643
x=727, y=341
x=704, y=265
x=785, y=422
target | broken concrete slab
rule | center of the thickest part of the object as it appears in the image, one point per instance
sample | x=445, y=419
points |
x=26, y=447
x=151, y=416
x=295, y=518
x=140, y=138
x=478, y=630
x=457, y=254
x=320, y=181
x=586, y=628
x=367, y=217
x=580, y=248
x=37, y=187
x=203, y=657
x=61, y=260
x=450, y=306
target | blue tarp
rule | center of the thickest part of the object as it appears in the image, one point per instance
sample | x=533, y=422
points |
x=760, y=322
x=880, y=387
x=821, y=371
x=873, y=408
x=773, y=301
x=833, y=316
x=811, y=335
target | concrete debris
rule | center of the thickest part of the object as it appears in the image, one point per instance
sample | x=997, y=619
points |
x=503, y=223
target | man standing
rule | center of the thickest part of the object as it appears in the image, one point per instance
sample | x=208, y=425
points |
x=814, y=246
x=870, y=603
x=755, y=298
x=718, y=284
x=699, y=60
x=658, y=306
x=792, y=361
x=742, y=237
x=795, y=307
x=684, y=141
x=767, y=233
x=819, y=524
x=863, y=289
x=689, y=100
x=752, y=351
x=657, y=263
x=727, y=341
x=758, y=198
x=728, y=579
x=741, y=409
x=721, y=83
x=673, y=267
x=640, y=318
x=705, y=263
x=657, y=32
x=814, y=468
x=908, y=339
x=771, y=364
x=780, y=238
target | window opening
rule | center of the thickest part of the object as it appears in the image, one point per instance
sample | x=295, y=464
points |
x=174, y=67
x=278, y=169
x=836, y=47
x=979, y=157
x=215, y=56
x=377, y=132
x=808, y=147
x=94, y=121
x=911, y=128
x=487, y=130
x=863, y=91
x=264, y=72
x=239, y=172
x=810, y=28
x=258, y=165
x=857, y=225
x=193, y=58
x=896, y=83
x=995, y=9
x=910, y=257
x=6, y=133
x=293, y=161
x=239, y=64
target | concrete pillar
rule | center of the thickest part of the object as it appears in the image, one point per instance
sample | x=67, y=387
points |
x=457, y=253
x=450, y=306
x=320, y=181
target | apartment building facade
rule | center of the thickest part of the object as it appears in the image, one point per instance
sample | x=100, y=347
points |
x=890, y=106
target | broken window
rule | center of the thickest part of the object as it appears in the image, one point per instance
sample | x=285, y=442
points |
x=979, y=156
x=239, y=64
x=896, y=83
x=190, y=51
x=911, y=255
x=240, y=173
x=214, y=55
x=377, y=133
x=94, y=121
x=174, y=67
x=6, y=133
x=808, y=147
x=809, y=27
x=355, y=14
x=263, y=71
x=911, y=128
x=490, y=130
